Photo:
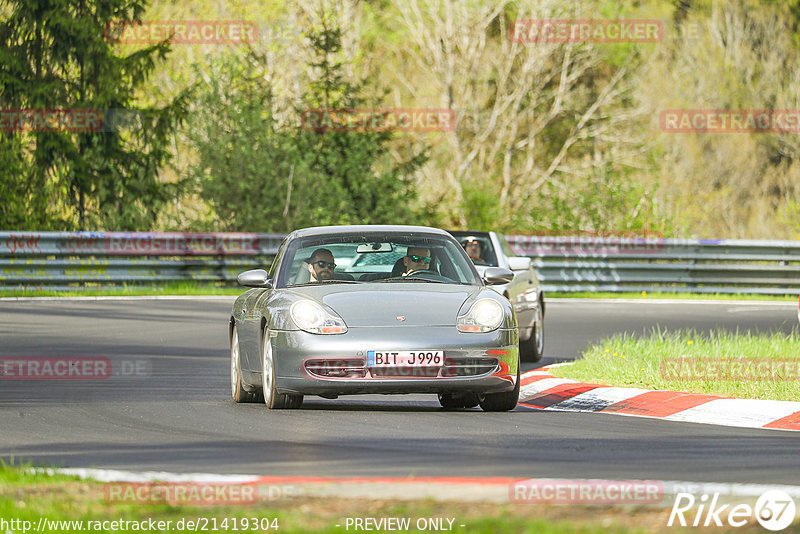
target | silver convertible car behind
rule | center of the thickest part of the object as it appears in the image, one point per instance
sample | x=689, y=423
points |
x=374, y=309
x=490, y=249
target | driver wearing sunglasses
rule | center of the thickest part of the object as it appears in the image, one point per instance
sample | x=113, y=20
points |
x=417, y=259
x=321, y=265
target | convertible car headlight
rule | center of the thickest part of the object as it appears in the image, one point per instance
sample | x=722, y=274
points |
x=484, y=316
x=314, y=319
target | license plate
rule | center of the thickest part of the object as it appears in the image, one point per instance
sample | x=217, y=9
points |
x=405, y=358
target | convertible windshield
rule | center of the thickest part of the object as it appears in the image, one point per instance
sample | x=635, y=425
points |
x=375, y=257
x=478, y=246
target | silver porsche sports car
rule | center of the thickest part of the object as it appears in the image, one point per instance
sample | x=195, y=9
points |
x=374, y=309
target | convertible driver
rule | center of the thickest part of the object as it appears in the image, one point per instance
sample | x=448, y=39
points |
x=321, y=265
x=417, y=259
x=473, y=248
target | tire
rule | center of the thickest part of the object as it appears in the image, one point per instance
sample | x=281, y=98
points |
x=273, y=399
x=532, y=349
x=502, y=402
x=452, y=401
x=238, y=393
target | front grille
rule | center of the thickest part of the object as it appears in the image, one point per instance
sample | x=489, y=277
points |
x=469, y=366
x=405, y=372
x=452, y=367
x=356, y=368
x=339, y=368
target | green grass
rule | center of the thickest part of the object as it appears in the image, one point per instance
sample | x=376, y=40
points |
x=757, y=366
x=666, y=295
x=27, y=495
x=165, y=288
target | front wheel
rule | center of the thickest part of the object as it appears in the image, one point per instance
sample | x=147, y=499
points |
x=273, y=399
x=238, y=392
x=532, y=349
x=502, y=402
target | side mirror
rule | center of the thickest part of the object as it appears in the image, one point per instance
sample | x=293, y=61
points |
x=255, y=278
x=519, y=263
x=493, y=276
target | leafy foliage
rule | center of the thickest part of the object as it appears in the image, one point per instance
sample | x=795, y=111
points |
x=548, y=138
x=55, y=54
x=262, y=174
x=245, y=161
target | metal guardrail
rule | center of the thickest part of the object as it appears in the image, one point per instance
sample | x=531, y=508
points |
x=72, y=260
x=615, y=264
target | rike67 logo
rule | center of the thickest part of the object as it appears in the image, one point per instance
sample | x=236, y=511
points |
x=774, y=510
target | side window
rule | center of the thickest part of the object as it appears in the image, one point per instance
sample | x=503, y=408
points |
x=505, y=247
x=273, y=270
x=449, y=268
x=487, y=255
x=298, y=270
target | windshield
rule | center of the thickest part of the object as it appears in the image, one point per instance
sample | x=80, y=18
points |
x=375, y=258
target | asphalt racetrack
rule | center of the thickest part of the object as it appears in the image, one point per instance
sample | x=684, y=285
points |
x=167, y=405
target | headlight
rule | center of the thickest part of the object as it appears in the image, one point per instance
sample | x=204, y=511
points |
x=484, y=316
x=314, y=319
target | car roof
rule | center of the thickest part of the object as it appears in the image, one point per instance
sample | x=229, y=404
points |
x=468, y=232
x=365, y=228
x=464, y=233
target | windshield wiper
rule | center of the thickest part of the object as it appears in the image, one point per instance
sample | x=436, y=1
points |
x=412, y=279
x=318, y=282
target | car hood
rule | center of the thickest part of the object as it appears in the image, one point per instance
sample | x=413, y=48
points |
x=384, y=303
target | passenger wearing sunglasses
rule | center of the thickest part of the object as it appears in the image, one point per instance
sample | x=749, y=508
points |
x=417, y=259
x=321, y=265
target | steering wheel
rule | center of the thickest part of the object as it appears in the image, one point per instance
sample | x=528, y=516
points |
x=427, y=274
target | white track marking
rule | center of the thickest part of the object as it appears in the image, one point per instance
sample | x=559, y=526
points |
x=112, y=475
x=534, y=388
x=751, y=413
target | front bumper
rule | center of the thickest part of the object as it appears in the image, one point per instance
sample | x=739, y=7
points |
x=330, y=365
